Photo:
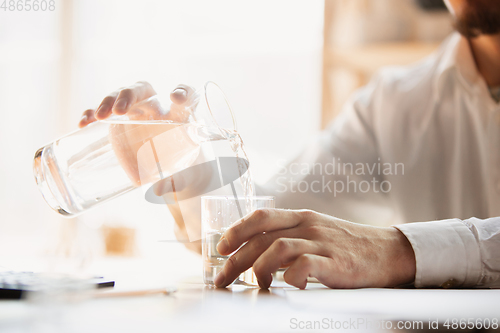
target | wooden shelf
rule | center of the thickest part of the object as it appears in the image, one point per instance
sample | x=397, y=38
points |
x=363, y=62
x=369, y=58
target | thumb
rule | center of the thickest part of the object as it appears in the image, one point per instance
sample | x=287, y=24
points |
x=183, y=95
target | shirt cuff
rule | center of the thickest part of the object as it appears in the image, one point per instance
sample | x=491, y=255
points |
x=446, y=253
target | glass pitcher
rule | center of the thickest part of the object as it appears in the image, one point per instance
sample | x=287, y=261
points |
x=111, y=157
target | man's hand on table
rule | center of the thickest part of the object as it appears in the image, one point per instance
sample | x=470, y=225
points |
x=338, y=253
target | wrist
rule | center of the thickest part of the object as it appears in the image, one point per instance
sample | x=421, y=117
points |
x=402, y=259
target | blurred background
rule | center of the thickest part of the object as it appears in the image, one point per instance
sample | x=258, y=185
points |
x=287, y=66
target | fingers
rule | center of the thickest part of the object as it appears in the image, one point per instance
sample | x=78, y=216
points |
x=181, y=94
x=245, y=257
x=279, y=254
x=87, y=118
x=129, y=96
x=310, y=265
x=125, y=98
x=118, y=102
x=104, y=110
x=267, y=252
x=257, y=222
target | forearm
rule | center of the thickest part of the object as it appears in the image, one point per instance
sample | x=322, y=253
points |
x=401, y=258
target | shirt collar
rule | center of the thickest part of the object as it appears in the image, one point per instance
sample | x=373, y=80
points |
x=457, y=58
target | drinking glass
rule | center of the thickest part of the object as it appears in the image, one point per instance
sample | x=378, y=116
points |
x=218, y=213
x=111, y=157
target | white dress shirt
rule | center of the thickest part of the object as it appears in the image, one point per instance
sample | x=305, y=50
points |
x=429, y=134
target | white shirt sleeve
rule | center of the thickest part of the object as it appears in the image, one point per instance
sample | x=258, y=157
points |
x=455, y=253
x=323, y=178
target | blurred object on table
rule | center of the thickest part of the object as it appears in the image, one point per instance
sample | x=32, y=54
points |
x=119, y=240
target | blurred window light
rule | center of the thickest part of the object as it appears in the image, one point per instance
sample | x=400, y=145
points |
x=266, y=55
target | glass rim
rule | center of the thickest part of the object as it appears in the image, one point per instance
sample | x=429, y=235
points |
x=233, y=120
